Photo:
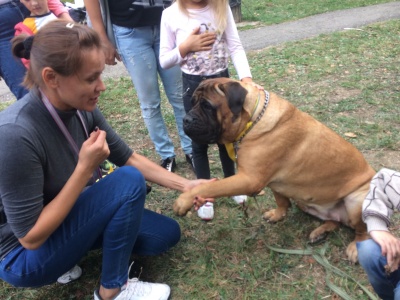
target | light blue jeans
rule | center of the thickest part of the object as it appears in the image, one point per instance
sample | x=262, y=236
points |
x=109, y=215
x=371, y=259
x=139, y=49
x=11, y=69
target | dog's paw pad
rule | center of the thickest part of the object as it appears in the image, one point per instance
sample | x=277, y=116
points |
x=352, y=253
x=272, y=217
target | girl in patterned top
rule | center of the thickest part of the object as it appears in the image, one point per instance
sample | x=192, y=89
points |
x=200, y=36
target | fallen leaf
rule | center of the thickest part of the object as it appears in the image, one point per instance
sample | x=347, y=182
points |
x=350, y=134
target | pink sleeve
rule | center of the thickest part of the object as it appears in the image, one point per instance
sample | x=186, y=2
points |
x=57, y=7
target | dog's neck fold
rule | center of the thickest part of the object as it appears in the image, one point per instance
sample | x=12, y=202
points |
x=232, y=148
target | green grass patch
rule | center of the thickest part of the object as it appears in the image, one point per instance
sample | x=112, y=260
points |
x=277, y=11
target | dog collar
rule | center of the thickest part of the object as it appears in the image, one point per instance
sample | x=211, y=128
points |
x=232, y=148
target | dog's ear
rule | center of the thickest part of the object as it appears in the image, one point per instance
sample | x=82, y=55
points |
x=235, y=95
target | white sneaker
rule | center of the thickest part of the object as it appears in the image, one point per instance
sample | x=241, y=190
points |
x=240, y=199
x=71, y=275
x=206, y=212
x=140, y=290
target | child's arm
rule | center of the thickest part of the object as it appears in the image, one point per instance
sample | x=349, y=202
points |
x=235, y=47
x=59, y=10
x=169, y=53
x=383, y=198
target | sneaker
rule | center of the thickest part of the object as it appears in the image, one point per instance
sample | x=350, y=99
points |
x=169, y=164
x=71, y=275
x=240, y=199
x=206, y=212
x=189, y=160
x=140, y=290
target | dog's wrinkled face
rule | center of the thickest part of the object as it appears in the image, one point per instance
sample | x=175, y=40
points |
x=216, y=105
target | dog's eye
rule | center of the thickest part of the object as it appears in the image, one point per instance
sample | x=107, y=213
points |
x=206, y=105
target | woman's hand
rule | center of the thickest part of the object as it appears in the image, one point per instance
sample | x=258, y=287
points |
x=199, y=201
x=111, y=54
x=94, y=151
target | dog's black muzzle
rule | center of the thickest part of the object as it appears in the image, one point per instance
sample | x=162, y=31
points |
x=199, y=131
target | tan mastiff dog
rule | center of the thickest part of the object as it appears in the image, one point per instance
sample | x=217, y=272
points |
x=278, y=146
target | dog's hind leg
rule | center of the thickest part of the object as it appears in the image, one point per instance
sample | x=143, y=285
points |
x=277, y=214
x=353, y=204
x=361, y=235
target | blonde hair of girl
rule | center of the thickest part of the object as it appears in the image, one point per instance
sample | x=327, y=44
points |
x=217, y=6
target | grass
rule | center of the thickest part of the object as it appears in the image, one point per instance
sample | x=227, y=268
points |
x=277, y=11
x=347, y=80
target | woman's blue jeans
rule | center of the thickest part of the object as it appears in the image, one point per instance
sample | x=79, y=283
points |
x=139, y=49
x=11, y=69
x=371, y=259
x=108, y=215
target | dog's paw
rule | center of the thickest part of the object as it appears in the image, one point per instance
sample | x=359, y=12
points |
x=317, y=238
x=320, y=233
x=182, y=205
x=273, y=215
x=352, y=253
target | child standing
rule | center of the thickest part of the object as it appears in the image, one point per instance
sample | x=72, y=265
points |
x=380, y=255
x=40, y=16
x=200, y=35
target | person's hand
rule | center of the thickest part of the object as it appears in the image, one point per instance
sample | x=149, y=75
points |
x=94, y=150
x=199, y=201
x=250, y=81
x=390, y=246
x=111, y=54
x=197, y=41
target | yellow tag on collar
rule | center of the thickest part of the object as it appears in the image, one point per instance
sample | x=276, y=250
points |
x=230, y=148
x=231, y=151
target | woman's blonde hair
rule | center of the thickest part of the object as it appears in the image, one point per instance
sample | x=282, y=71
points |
x=58, y=45
x=219, y=8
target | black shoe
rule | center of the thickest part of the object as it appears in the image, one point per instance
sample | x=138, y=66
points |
x=148, y=188
x=169, y=164
x=189, y=160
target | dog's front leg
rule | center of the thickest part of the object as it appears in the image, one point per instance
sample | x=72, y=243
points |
x=238, y=184
x=277, y=214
